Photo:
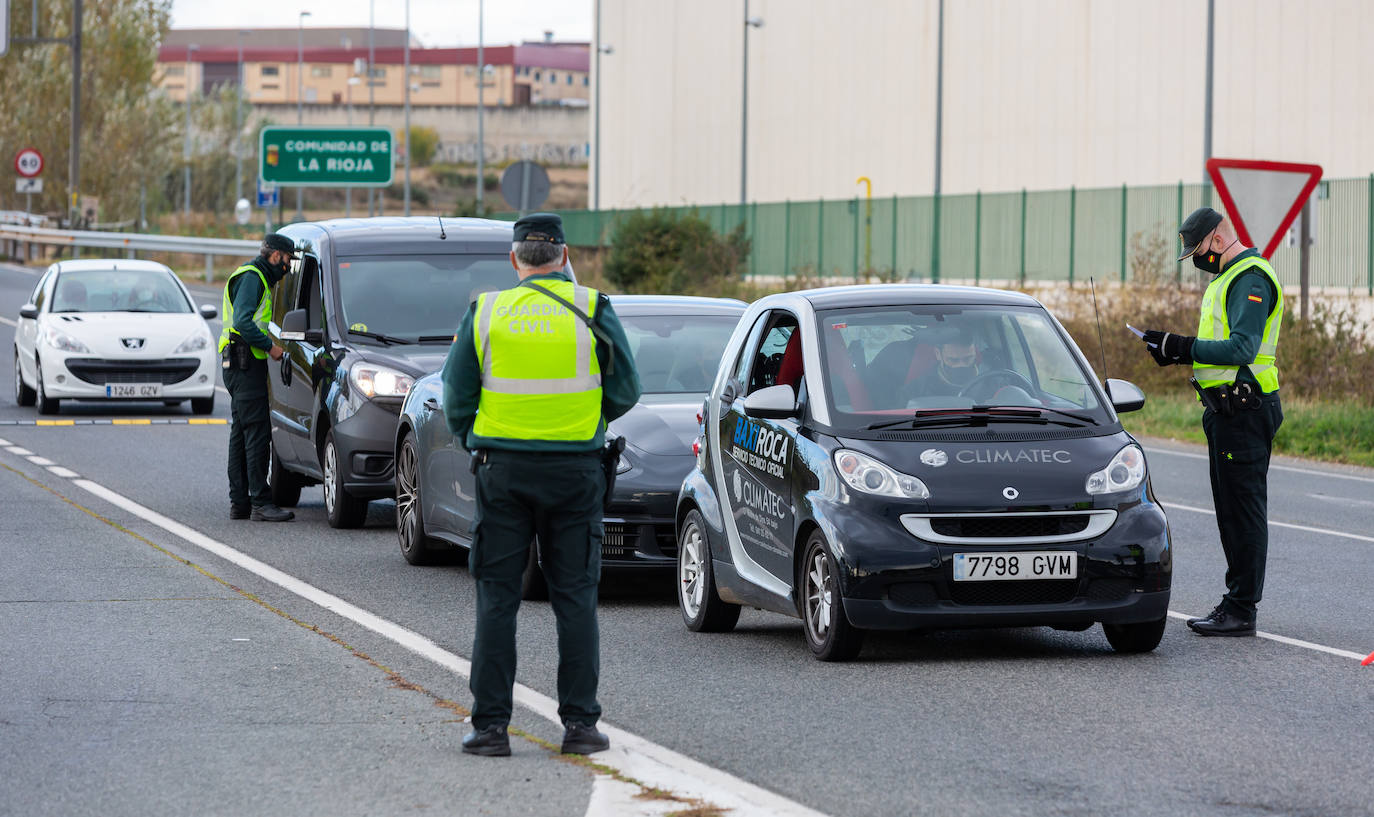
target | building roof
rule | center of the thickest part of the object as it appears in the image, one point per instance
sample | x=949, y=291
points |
x=283, y=37
x=556, y=56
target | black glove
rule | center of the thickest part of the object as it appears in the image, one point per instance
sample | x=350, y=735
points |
x=1167, y=348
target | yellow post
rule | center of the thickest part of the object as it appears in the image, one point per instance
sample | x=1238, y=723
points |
x=868, y=223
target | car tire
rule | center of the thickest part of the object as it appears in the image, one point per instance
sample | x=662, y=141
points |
x=283, y=485
x=416, y=547
x=46, y=404
x=23, y=395
x=533, y=585
x=828, y=632
x=1138, y=637
x=203, y=405
x=342, y=509
x=703, y=611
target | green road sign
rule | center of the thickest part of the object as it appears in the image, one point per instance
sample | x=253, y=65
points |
x=326, y=157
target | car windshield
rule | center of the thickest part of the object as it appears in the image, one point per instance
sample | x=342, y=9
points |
x=416, y=297
x=885, y=364
x=117, y=290
x=677, y=354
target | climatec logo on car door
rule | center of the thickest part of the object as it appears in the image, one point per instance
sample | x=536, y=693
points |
x=760, y=447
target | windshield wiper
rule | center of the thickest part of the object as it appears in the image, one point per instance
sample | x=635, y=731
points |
x=980, y=416
x=437, y=338
x=387, y=339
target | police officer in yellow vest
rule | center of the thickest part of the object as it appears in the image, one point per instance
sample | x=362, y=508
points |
x=244, y=348
x=1233, y=358
x=529, y=386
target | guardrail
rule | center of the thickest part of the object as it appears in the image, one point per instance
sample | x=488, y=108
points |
x=131, y=243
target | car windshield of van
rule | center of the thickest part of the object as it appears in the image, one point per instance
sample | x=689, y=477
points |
x=116, y=290
x=415, y=298
x=953, y=364
x=677, y=354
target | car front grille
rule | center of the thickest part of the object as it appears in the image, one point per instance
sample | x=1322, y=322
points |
x=1003, y=526
x=622, y=540
x=1048, y=591
x=101, y=372
x=913, y=594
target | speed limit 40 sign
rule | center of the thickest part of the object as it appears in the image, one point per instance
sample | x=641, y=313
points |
x=28, y=162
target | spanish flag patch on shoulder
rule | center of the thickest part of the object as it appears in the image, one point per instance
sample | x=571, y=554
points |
x=1257, y=299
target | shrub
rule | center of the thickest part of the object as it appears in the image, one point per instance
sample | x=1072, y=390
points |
x=424, y=142
x=657, y=252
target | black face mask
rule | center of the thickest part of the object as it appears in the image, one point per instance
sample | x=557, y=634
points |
x=958, y=375
x=1210, y=262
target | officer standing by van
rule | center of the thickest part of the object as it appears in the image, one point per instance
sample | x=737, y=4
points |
x=534, y=375
x=244, y=348
x=1234, y=372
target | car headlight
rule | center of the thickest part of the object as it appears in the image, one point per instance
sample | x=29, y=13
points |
x=863, y=473
x=63, y=341
x=196, y=342
x=1124, y=473
x=379, y=381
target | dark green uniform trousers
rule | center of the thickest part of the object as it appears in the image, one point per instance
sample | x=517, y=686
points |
x=250, y=434
x=556, y=497
x=1238, y=449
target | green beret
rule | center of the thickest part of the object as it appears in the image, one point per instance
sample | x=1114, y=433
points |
x=540, y=227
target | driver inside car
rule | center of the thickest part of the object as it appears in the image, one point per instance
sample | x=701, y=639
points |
x=956, y=367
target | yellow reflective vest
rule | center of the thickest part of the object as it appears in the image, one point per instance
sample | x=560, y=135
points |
x=1213, y=325
x=262, y=316
x=541, y=379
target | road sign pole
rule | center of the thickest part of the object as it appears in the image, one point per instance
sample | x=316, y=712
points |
x=1305, y=257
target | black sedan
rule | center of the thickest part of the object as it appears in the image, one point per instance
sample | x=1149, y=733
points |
x=919, y=457
x=676, y=343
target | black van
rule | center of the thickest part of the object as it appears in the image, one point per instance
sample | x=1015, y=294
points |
x=918, y=457
x=370, y=307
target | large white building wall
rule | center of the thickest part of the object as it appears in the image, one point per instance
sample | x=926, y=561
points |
x=1040, y=94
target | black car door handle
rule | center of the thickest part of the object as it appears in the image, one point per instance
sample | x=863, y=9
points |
x=432, y=404
x=285, y=371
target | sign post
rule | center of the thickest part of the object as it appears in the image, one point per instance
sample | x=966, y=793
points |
x=326, y=156
x=28, y=163
x=525, y=186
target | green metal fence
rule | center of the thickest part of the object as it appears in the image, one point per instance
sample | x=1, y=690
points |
x=1019, y=237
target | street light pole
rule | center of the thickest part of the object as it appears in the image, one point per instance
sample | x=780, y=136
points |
x=300, y=98
x=749, y=22
x=238, y=125
x=406, y=137
x=186, y=145
x=1207, y=110
x=481, y=81
x=348, y=192
x=596, y=127
x=371, y=102
x=939, y=139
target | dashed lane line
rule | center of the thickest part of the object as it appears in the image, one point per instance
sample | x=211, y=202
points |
x=631, y=755
x=121, y=421
x=1305, y=528
x=9, y=322
x=1283, y=639
x=1289, y=468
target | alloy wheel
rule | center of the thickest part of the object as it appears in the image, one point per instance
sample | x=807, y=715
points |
x=819, y=598
x=331, y=477
x=690, y=572
x=406, y=497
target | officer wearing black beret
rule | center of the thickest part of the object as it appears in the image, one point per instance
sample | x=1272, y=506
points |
x=1236, y=375
x=534, y=375
x=244, y=348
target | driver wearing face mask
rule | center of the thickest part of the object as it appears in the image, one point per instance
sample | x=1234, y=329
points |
x=956, y=367
x=1234, y=365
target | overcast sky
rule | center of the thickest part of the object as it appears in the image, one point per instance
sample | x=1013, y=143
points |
x=434, y=22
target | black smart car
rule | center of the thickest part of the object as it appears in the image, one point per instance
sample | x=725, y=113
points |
x=368, y=309
x=676, y=343
x=912, y=457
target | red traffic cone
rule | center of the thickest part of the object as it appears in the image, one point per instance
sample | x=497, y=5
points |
x=1368, y=659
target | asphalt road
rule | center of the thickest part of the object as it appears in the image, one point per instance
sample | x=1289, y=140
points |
x=126, y=690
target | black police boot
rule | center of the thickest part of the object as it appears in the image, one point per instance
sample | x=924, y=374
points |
x=490, y=742
x=271, y=513
x=583, y=739
x=1215, y=612
x=1224, y=623
x=237, y=511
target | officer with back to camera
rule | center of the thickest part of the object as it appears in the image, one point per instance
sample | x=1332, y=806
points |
x=244, y=348
x=528, y=388
x=1233, y=358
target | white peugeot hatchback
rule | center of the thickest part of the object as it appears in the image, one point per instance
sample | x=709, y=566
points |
x=113, y=330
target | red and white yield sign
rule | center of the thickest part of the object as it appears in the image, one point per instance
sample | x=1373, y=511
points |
x=1263, y=198
x=28, y=163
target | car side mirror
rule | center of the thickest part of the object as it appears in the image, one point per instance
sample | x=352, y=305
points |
x=293, y=328
x=208, y=312
x=1125, y=395
x=29, y=311
x=773, y=403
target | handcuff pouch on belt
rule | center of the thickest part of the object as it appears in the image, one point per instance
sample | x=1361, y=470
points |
x=237, y=355
x=1229, y=398
x=610, y=463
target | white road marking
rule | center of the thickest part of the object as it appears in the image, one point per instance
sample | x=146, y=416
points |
x=1272, y=523
x=65, y=473
x=634, y=756
x=1342, y=500
x=22, y=452
x=4, y=443
x=1289, y=468
x=1292, y=642
x=37, y=460
x=610, y=796
x=9, y=322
